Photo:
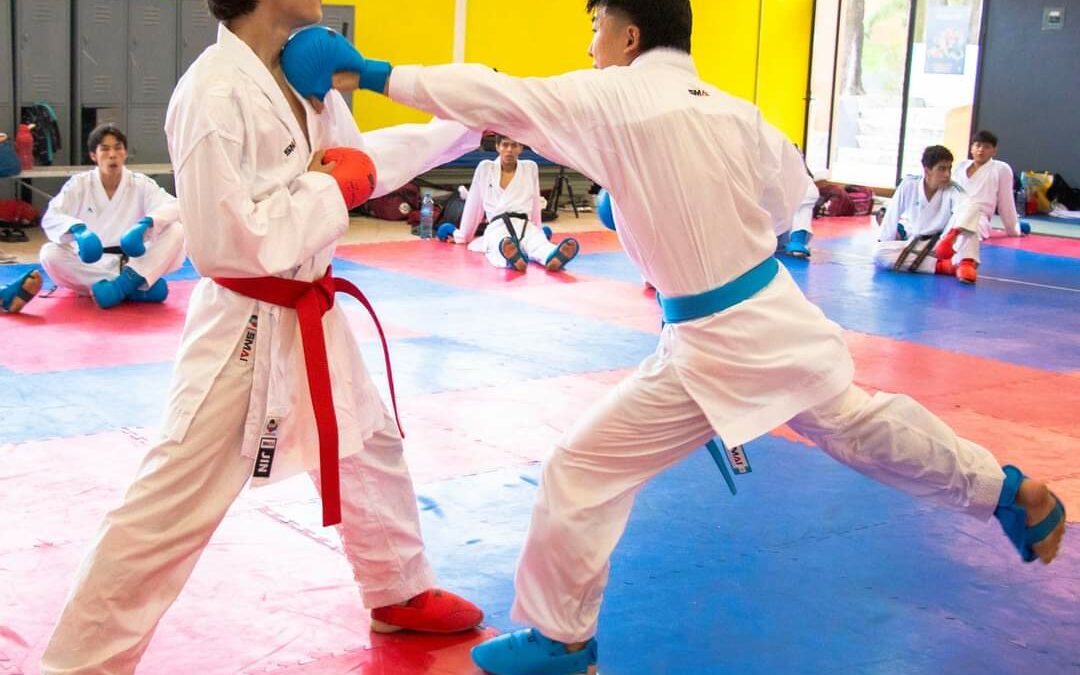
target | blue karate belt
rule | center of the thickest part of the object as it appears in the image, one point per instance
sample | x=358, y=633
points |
x=689, y=307
x=745, y=286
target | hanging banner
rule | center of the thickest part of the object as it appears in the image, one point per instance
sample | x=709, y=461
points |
x=946, y=37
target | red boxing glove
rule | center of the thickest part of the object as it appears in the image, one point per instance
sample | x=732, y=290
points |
x=354, y=173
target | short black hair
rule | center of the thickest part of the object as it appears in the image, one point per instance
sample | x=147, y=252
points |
x=224, y=10
x=934, y=155
x=100, y=132
x=663, y=23
x=984, y=136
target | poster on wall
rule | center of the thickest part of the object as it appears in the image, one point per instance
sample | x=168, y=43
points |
x=946, y=38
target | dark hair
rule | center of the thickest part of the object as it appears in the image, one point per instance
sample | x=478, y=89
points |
x=663, y=23
x=984, y=136
x=223, y=10
x=499, y=138
x=100, y=132
x=934, y=155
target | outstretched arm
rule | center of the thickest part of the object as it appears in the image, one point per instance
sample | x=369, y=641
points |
x=474, y=208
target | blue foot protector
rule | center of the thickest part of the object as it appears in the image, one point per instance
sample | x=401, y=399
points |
x=547, y=232
x=14, y=290
x=515, y=257
x=111, y=292
x=566, y=251
x=796, y=245
x=1013, y=517
x=156, y=293
x=1025, y=227
x=527, y=652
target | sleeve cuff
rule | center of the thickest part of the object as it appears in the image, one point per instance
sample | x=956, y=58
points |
x=403, y=81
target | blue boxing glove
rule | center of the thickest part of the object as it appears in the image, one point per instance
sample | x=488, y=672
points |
x=132, y=243
x=312, y=56
x=603, y=209
x=89, y=244
x=1025, y=227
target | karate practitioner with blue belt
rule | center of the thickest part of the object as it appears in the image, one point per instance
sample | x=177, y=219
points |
x=697, y=178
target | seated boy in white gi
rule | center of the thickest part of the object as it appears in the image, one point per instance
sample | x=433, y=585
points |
x=987, y=186
x=507, y=191
x=921, y=209
x=114, y=233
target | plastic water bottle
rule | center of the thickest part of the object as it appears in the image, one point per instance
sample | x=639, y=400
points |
x=427, y=216
x=24, y=146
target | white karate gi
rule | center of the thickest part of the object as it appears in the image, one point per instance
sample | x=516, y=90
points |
x=989, y=189
x=252, y=209
x=699, y=178
x=83, y=200
x=920, y=217
x=803, y=220
x=488, y=197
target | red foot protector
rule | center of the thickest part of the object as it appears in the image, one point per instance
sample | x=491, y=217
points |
x=433, y=611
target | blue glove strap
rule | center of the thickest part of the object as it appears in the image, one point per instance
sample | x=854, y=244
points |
x=375, y=75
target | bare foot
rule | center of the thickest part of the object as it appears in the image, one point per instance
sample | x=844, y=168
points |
x=1036, y=499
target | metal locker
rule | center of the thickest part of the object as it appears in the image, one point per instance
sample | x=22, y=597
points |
x=151, y=69
x=146, y=135
x=7, y=86
x=341, y=18
x=7, y=77
x=43, y=62
x=198, y=30
x=101, y=61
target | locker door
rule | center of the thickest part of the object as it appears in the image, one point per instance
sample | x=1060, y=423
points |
x=152, y=47
x=101, y=61
x=341, y=18
x=146, y=135
x=198, y=30
x=43, y=62
x=7, y=86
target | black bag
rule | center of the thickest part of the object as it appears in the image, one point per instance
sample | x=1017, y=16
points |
x=453, y=209
x=1062, y=192
x=46, y=132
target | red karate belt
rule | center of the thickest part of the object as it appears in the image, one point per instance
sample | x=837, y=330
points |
x=312, y=299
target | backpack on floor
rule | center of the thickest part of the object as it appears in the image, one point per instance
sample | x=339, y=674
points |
x=1063, y=193
x=846, y=200
x=46, y=132
x=396, y=205
x=862, y=199
x=833, y=201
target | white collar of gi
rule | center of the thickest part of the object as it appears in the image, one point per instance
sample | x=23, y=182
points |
x=242, y=55
x=666, y=56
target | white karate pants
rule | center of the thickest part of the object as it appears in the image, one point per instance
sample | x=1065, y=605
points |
x=886, y=253
x=148, y=546
x=649, y=422
x=164, y=254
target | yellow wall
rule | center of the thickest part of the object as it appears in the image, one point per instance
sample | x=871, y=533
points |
x=784, y=64
x=531, y=38
x=724, y=44
x=527, y=37
x=401, y=32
